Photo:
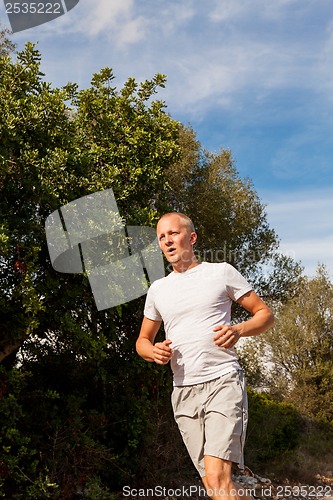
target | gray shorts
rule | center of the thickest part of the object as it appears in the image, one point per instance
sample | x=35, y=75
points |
x=212, y=418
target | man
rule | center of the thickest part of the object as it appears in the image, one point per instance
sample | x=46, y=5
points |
x=209, y=396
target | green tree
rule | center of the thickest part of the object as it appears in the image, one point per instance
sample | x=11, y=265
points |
x=273, y=432
x=6, y=45
x=83, y=402
x=230, y=218
x=56, y=146
x=300, y=348
x=51, y=154
x=226, y=210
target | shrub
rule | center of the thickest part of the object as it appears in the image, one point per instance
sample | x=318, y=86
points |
x=274, y=429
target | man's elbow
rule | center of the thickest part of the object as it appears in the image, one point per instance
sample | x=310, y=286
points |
x=141, y=348
x=270, y=318
x=138, y=346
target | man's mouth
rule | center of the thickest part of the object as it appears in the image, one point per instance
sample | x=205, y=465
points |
x=171, y=250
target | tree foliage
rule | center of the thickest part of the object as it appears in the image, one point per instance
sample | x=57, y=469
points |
x=51, y=154
x=274, y=429
x=230, y=219
x=229, y=216
x=77, y=402
x=300, y=348
x=56, y=146
x=6, y=45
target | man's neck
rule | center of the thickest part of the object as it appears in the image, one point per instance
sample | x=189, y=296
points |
x=183, y=266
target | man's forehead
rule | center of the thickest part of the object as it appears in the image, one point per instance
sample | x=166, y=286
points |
x=166, y=223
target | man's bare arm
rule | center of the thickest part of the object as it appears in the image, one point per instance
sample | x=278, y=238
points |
x=262, y=319
x=160, y=352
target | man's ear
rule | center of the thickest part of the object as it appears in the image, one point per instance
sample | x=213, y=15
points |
x=193, y=238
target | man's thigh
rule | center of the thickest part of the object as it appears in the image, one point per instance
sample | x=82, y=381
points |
x=212, y=418
x=225, y=419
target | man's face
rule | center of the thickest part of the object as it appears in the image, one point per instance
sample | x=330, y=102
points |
x=175, y=239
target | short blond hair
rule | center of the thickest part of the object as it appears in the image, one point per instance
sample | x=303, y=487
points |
x=184, y=218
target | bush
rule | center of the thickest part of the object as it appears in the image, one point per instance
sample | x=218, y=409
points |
x=274, y=429
x=22, y=473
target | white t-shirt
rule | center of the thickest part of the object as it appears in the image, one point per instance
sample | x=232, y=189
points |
x=191, y=304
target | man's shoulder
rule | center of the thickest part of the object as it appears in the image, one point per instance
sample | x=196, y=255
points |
x=215, y=266
x=219, y=270
x=160, y=282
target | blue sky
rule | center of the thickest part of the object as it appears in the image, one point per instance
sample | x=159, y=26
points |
x=253, y=76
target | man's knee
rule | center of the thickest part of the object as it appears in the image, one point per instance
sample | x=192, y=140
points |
x=218, y=482
x=218, y=474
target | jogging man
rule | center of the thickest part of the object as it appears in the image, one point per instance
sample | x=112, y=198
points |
x=209, y=396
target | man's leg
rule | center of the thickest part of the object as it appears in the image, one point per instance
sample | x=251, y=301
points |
x=218, y=481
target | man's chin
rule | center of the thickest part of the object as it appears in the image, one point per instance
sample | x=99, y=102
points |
x=173, y=259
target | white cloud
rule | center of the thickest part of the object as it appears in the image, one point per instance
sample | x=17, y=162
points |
x=113, y=20
x=132, y=32
x=303, y=222
x=224, y=10
x=105, y=15
x=310, y=253
x=125, y=23
x=218, y=53
x=324, y=66
x=290, y=160
x=174, y=18
x=238, y=10
x=238, y=56
x=229, y=73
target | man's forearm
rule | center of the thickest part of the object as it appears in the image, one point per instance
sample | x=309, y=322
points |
x=228, y=335
x=145, y=349
x=259, y=323
x=160, y=353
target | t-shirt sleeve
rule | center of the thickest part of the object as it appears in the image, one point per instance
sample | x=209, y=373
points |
x=236, y=284
x=150, y=310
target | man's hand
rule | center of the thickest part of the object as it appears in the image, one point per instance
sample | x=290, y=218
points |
x=227, y=336
x=262, y=319
x=162, y=352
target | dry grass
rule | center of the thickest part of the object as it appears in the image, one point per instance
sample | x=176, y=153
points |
x=303, y=467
